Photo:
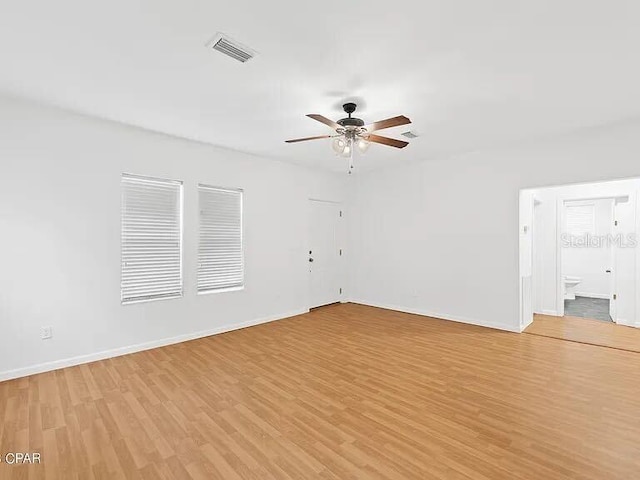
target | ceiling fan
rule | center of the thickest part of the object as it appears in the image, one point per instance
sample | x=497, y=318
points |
x=352, y=133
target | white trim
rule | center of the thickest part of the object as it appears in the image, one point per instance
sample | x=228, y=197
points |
x=117, y=352
x=335, y=202
x=637, y=279
x=440, y=316
x=603, y=296
x=524, y=325
x=560, y=202
x=133, y=301
x=624, y=322
x=237, y=288
x=552, y=313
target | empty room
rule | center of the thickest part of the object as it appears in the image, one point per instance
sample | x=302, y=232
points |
x=348, y=240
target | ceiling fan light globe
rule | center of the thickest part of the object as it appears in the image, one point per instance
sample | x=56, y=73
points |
x=346, y=152
x=338, y=145
x=363, y=145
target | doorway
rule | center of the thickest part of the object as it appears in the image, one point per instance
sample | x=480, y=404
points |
x=325, y=253
x=579, y=256
x=587, y=252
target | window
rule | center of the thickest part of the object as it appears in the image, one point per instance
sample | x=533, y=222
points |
x=220, y=256
x=151, y=252
x=580, y=219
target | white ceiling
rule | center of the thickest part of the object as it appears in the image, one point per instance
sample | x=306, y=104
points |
x=470, y=74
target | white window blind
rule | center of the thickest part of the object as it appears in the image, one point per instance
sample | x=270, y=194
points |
x=220, y=253
x=581, y=219
x=151, y=238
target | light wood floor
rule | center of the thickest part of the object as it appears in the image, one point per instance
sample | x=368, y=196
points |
x=340, y=393
x=583, y=330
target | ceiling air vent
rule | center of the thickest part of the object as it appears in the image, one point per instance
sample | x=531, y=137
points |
x=231, y=48
x=410, y=134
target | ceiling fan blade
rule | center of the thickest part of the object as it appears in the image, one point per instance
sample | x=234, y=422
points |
x=324, y=120
x=388, y=123
x=307, y=138
x=392, y=142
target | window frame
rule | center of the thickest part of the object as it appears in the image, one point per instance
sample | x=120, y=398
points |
x=230, y=288
x=570, y=214
x=180, y=223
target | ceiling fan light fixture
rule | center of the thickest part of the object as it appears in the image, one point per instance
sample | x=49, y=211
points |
x=352, y=133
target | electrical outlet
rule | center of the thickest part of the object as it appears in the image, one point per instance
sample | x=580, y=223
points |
x=46, y=333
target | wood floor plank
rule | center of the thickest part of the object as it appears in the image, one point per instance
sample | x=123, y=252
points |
x=585, y=330
x=345, y=391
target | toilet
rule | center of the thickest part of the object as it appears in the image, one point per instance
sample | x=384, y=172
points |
x=570, y=284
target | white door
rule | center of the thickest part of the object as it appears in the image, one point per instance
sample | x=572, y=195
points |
x=623, y=296
x=324, y=253
x=612, y=270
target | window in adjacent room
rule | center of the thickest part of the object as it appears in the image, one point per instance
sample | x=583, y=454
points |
x=151, y=235
x=580, y=219
x=220, y=252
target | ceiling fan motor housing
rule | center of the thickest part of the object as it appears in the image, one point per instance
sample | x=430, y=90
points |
x=349, y=108
x=351, y=122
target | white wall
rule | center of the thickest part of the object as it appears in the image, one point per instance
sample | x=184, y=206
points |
x=440, y=237
x=591, y=263
x=60, y=242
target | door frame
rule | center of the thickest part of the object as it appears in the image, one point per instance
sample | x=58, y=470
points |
x=560, y=221
x=527, y=204
x=341, y=233
x=536, y=273
x=614, y=271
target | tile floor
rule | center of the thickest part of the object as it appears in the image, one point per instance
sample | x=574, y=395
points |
x=594, y=308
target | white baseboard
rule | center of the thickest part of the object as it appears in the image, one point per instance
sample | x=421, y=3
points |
x=551, y=313
x=117, y=352
x=626, y=323
x=441, y=316
x=523, y=327
x=593, y=295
